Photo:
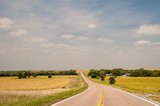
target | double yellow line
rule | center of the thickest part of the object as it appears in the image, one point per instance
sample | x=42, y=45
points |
x=101, y=99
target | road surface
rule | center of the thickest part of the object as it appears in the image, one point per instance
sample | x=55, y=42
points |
x=101, y=95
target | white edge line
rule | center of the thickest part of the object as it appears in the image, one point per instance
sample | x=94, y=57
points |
x=140, y=98
x=71, y=97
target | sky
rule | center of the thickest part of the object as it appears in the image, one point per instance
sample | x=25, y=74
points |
x=79, y=34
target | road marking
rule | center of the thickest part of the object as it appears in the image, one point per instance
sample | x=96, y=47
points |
x=101, y=102
x=140, y=98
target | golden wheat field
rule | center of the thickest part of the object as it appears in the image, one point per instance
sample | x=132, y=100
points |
x=38, y=83
x=14, y=91
x=140, y=84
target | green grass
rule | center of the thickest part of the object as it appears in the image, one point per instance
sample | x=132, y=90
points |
x=147, y=86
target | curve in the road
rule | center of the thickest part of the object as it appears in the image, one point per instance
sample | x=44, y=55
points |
x=101, y=95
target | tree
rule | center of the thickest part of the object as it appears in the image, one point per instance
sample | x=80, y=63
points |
x=29, y=74
x=20, y=75
x=102, y=74
x=94, y=75
x=116, y=72
x=50, y=76
x=34, y=75
x=111, y=80
x=102, y=78
x=25, y=74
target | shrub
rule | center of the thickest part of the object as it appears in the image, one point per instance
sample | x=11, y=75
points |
x=50, y=76
x=102, y=74
x=102, y=78
x=25, y=74
x=112, y=80
x=94, y=75
x=20, y=75
x=29, y=74
x=34, y=75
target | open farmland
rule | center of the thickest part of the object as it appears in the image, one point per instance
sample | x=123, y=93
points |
x=148, y=87
x=38, y=83
x=14, y=91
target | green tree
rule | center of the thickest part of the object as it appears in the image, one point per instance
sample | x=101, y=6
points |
x=111, y=80
x=34, y=75
x=102, y=74
x=93, y=75
x=20, y=75
x=25, y=74
x=50, y=76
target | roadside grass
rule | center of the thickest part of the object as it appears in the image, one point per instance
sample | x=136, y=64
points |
x=76, y=85
x=149, y=87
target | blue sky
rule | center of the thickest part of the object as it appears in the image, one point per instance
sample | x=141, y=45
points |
x=79, y=34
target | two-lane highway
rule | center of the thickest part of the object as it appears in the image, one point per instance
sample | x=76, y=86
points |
x=101, y=95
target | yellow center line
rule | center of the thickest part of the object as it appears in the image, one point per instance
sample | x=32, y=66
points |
x=101, y=100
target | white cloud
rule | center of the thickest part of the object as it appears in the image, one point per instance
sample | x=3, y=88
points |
x=47, y=45
x=5, y=22
x=82, y=38
x=142, y=43
x=69, y=36
x=105, y=40
x=36, y=40
x=92, y=26
x=19, y=33
x=147, y=30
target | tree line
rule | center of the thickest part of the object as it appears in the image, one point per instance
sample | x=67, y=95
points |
x=28, y=73
x=119, y=72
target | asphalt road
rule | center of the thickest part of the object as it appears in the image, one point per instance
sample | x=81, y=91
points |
x=101, y=95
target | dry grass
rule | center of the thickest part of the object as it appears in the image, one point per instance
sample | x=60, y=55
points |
x=14, y=91
x=149, y=87
x=38, y=83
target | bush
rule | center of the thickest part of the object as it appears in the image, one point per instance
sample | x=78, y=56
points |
x=29, y=74
x=20, y=75
x=25, y=74
x=50, y=76
x=112, y=80
x=94, y=75
x=34, y=75
x=102, y=78
x=102, y=74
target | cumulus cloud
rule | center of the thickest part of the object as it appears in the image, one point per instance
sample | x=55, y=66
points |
x=18, y=33
x=82, y=38
x=92, y=26
x=105, y=40
x=147, y=30
x=47, y=45
x=68, y=36
x=5, y=22
x=35, y=40
x=142, y=43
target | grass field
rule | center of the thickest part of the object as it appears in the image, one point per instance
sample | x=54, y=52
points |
x=38, y=83
x=12, y=89
x=147, y=86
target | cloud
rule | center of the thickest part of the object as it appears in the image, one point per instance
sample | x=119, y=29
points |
x=148, y=30
x=18, y=33
x=68, y=36
x=35, y=40
x=81, y=38
x=92, y=26
x=142, y=43
x=5, y=22
x=105, y=40
x=47, y=45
